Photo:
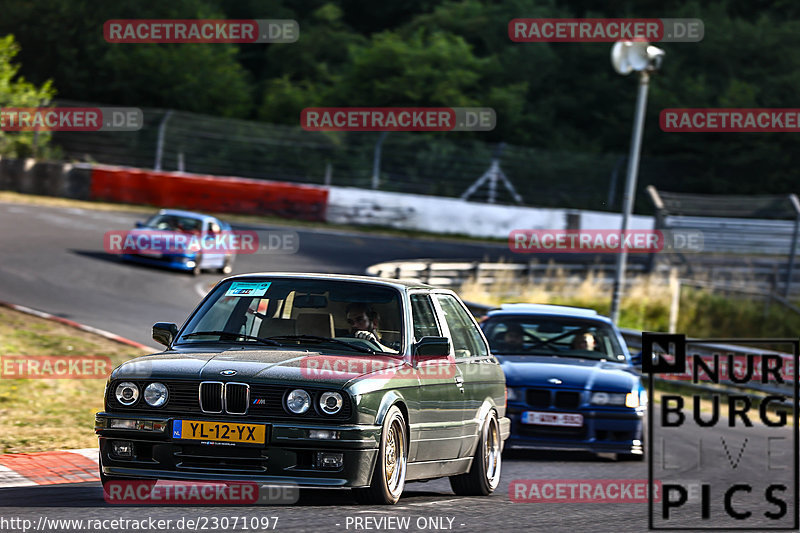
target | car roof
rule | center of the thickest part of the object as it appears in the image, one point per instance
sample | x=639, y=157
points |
x=180, y=213
x=546, y=309
x=388, y=282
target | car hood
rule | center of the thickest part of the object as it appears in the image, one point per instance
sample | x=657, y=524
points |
x=249, y=365
x=527, y=371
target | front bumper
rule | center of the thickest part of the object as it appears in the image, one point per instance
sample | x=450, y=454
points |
x=174, y=261
x=603, y=431
x=286, y=457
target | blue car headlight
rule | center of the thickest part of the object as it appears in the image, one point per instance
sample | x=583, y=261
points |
x=514, y=394
x=615, y=398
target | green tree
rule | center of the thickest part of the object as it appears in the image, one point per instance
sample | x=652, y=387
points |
x=15, y=91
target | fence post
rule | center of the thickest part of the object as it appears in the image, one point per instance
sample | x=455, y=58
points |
x=796, y=204
x=162, y=128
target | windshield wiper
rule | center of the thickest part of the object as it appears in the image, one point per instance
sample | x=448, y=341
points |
x=268, y=342
x=317, y=338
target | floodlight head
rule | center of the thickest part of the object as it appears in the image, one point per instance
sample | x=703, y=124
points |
x=627, y=56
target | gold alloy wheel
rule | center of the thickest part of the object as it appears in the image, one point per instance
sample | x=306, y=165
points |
x=394, y=457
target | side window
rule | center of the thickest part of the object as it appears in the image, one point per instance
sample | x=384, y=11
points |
x=423, y=317
x=466, y=339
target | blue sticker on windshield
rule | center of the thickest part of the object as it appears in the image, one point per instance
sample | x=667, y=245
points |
x=246, y=288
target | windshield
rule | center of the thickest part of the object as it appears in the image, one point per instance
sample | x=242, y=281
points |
x=174, y=223
x=341, y=315
x=554, y=336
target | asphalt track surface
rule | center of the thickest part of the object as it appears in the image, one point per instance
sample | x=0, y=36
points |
x=52, y=259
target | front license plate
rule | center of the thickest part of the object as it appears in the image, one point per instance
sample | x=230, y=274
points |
x=552, y=419
x=219, y=431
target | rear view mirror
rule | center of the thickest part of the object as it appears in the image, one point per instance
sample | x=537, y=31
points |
x=432, y=347
x=310, y=301
x=164, y=333
x=550, y=327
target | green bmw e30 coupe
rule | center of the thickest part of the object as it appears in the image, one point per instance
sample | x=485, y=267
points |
x=316, y=380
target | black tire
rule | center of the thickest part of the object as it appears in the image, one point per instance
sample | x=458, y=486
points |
x=196, y=271
x=484, y=474
x=389, y=475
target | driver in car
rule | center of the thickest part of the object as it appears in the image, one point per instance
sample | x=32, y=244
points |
x=364, y=322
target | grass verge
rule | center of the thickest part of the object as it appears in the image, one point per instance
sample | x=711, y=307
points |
x=50, y=414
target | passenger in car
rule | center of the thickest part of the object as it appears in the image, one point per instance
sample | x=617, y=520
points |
x=513, y=340
x=584, y=341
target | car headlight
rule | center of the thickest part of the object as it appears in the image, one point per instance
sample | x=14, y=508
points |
x=156, y=394
x=513, y=394
x=643, y=398
x=609, y=398
x=127, y=393
x=298, y=401
x=330, y=402
x=632, y=399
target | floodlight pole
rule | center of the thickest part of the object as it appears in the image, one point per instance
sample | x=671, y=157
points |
x=630, y=190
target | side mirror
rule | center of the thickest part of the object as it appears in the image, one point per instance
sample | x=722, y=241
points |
x=164, y=333
x=139, y=224
x=432, y=347
x=636, y=360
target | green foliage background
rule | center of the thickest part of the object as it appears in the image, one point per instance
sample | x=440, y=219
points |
x=556, y=98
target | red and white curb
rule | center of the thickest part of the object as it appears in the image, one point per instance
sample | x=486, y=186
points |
x=71, y=323
x=48, y=468
x=63, y=466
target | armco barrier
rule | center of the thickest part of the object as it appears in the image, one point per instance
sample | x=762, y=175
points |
x=12, y=172
x=77, y=181
x=209, y=193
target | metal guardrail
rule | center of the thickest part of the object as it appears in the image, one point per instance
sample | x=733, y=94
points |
x=757, y=279
x=453, y=274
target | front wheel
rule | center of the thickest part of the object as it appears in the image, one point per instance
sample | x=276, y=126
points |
x=197, y=270
x=484, y=475
x=389, y=476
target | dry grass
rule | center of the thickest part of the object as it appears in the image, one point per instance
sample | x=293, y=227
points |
x=645, y=303
x=50, y=414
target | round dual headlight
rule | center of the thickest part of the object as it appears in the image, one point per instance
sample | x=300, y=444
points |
x=330, y=402
x=298, y=401
x=127, y=393
x=156, y=394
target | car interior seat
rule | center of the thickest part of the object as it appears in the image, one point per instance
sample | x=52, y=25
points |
x=319, y=324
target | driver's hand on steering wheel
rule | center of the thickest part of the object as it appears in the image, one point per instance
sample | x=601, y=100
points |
x=366, y=335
